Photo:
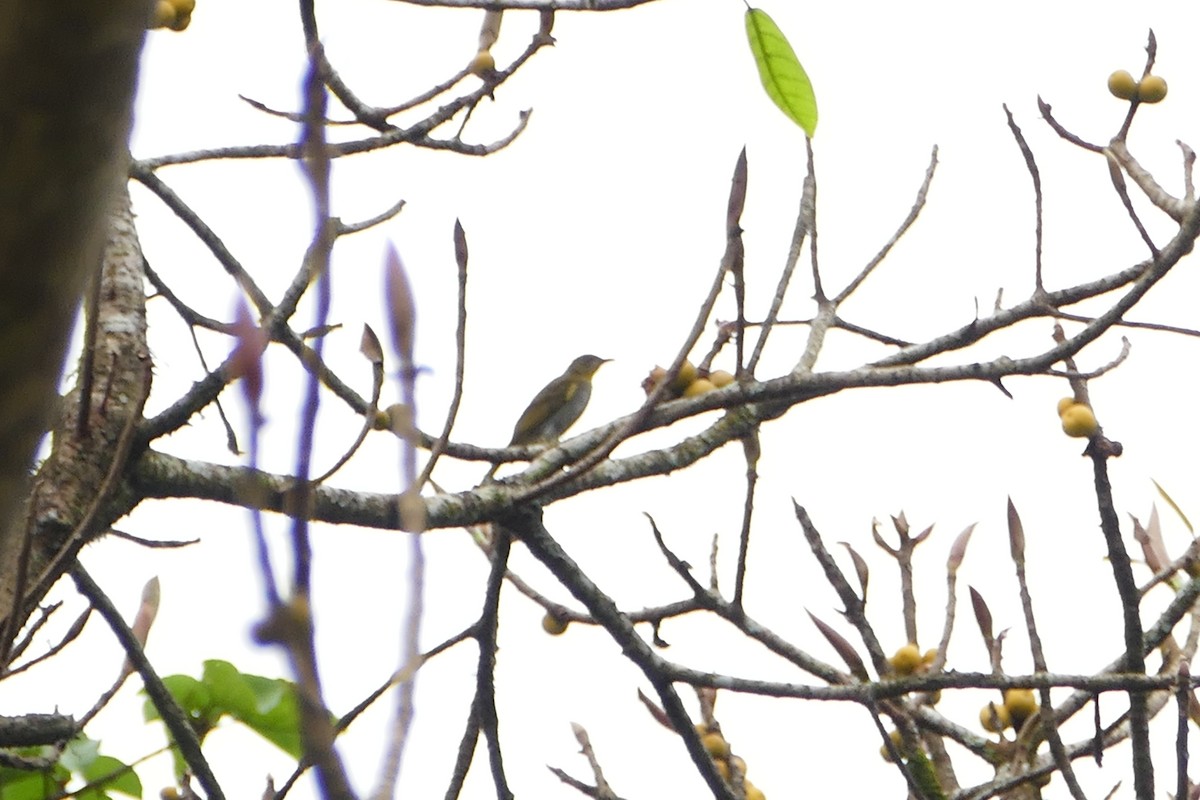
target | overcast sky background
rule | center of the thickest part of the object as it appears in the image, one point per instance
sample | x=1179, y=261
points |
x=598, y=230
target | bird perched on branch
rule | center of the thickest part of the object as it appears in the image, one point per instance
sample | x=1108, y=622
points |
x=557, y=406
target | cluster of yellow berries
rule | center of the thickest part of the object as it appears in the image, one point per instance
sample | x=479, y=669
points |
x=1150, y=89
x=909, y=659
x=1078, y=419
x=727, y=763
x=173, y=14
x=1018, y=706
x=690, y=382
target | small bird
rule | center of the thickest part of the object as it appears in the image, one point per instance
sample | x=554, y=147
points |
x=557, y=406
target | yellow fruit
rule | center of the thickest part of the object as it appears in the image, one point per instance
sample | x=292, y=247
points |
x=753, y=792
x=164, y=14
x=1122, y=85
x=906, y=660
x=184, y=6
x=738, y=764
x=716, y=745
x=1151, y=89
x=988, y=720
x=554, y=625
x=897, y=739
x=652, y=381
x=720, y=378
x=181, y=22
x=722, y=769
x=1020, y=704
x=1064, y=404
x=687, y=374
x=929, y=657
x=483, y=65
x=382, y=421
x=698, y=387
x=1079, y=421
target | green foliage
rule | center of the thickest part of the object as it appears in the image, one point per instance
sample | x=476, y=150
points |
x=783, y=77
x=267, y=706
x=80, y=760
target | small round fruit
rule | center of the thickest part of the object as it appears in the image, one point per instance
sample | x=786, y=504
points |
x=698, y=387
x=181, y=22
x=991, y=714
x=929, y=657
x=1151, y=89
x=897, y=740
x=722, y=769
x=687, y=374
x=656, y=376
x=1079, y=421
x=716, y=745
x=1122, y=85
x=184, y=6
x=720, y=378
x=164, y=14
x=483, y=65
x=753, y=792
x=1020, y=704
x=906, y=660
x=1064, y=404
x=554, y=624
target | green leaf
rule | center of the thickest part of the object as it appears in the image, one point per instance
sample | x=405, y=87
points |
x=782, y=76
x=277, y=713
x=228, y=689
x=79, y=754
x=1174, y=507
x=191, y=695
x=22, y=785
x=111, y=774
x=265, y=705
x=268, y=706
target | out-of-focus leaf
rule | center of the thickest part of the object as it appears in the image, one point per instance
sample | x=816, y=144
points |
x=265, y=705
x=1174, y=507
x=737, y=194
x=983, y=617
x=460, y=245
x=1016, y=534
x=843, y=648
x=925, y=776
x=958, y=550
x=786, y=82
x=402, y=308
x=659, y=715
x=370, y=347
x=860, y=567
x=277, y=717
x=23, y=785
x=193, y=697
x=228, y=688
x=111, y=774
x=1150, y=538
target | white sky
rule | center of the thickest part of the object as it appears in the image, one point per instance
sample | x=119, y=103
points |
x=598, y=231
